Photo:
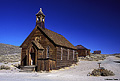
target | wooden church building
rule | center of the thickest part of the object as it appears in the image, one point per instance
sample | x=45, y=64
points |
x=46, y=50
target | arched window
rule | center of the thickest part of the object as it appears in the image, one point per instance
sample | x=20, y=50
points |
x=48, y=51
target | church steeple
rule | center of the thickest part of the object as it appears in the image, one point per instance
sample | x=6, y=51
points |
x=40, y=19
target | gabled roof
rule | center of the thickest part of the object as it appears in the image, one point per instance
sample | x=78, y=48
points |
x=55, y=38
x=80, y=47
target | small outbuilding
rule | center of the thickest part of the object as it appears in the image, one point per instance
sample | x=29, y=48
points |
x=97, y=52
x=82, y=51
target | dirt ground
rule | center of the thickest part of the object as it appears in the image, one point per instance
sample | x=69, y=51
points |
x=74, y=73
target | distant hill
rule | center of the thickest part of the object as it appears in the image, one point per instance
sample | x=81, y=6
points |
x=9, y=49
x=9, y=53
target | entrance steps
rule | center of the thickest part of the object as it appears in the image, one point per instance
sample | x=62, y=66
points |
x=30, y=68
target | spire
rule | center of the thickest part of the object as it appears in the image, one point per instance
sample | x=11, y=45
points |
x=40, y=19
x=40, y=12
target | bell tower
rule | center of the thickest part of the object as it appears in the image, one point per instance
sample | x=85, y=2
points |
x=40, y=19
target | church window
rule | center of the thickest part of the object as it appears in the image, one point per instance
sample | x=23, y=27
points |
x=73, y=54
x=68, y=54
x=48, y=51
x=61, y=53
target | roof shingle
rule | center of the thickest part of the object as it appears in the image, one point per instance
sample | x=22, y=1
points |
x=57, y=38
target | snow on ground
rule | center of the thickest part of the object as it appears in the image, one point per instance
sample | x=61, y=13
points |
x=73, y=73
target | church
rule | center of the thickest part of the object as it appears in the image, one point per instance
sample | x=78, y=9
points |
x=46, y=50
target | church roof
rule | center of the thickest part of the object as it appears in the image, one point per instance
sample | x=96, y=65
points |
x=56, y=38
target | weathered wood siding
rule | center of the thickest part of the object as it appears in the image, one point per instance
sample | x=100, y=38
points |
x=41, y=60
x=65, y=61
x=45, y=42
x=88, y=52
x=46, y=65
x=83, y=52
x=23, y=56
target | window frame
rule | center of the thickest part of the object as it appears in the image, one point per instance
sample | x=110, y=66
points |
x=61, y=53
x=48, y=52
x=73, y=54
x=68, y=54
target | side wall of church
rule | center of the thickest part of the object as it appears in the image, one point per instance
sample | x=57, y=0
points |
x=65, y=58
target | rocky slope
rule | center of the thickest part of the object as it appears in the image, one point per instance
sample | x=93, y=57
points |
x=9, y=49
x=9, y=53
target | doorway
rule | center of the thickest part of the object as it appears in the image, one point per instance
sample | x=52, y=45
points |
x=32, y=56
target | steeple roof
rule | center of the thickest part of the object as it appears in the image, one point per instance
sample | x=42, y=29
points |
x=40, y=13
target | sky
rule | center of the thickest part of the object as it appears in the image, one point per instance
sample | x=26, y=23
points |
x=95, y=24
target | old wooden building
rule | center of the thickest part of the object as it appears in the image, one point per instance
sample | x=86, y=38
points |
x=82, y=51
x=97, y=52
x=46, y=50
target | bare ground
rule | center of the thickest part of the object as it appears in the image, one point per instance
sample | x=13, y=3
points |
x=74, y=73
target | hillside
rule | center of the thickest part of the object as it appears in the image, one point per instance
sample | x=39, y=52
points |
x=9, y=49
x=9, y=53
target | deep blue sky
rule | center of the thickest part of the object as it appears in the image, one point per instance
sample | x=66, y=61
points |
x=94, y=24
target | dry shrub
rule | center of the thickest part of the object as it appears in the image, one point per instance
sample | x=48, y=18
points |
x=101, y=72
x=4, y=67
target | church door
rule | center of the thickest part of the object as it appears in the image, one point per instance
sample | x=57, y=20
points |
x=32, y=56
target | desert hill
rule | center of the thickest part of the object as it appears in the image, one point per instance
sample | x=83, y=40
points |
x=9, y=49
x=9, y=53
